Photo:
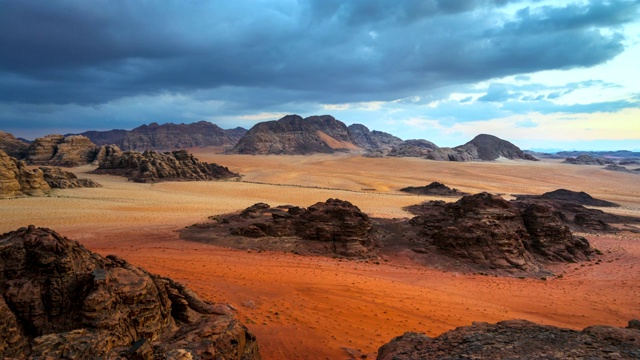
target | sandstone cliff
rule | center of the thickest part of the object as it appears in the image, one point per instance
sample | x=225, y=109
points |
x=153, y=166
x=168, y=136
x=518, y=339
x=59, y=150
x=61, y=301
x=17, y=180
x=61, y=179
x=12, y=146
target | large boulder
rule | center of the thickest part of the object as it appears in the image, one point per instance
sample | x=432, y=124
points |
x=516, y=339
x=16, y=179
x=59, y=150
x=62, y=179
x=153, y=166
x=61, y=301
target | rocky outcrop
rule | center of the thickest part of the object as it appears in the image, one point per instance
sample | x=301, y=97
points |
x=413, y=148
x=293, y=135
x=372, y=140
x=435, y=188
x=334, y=227
x=16, y=179
x=168, y=136
x=490, y=232
x=619, y=168
x=61, y=301
x=58, y=150
x=153, y=166
x=516, y=339
x=576, y=197
x=61, y=179
x=587, y=160
x=13, y=147
x=488, y=147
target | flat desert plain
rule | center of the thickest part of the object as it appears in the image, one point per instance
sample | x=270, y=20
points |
x=324, y=308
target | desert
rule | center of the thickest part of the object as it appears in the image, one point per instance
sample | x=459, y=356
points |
x=319, y=307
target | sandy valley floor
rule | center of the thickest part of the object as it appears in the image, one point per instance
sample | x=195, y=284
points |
x=316, y=307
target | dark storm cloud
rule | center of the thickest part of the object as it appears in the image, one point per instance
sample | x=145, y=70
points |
x=318, y=51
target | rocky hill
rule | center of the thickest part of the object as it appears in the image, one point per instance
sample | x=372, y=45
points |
x=372, y=140
x=59, y=150
x=16, y=179
x=435, y=188
x=577, y=197
x=334, y=227
x=413, y=148
x=168, y=136
x=153, y=166
x=482, y=147
x=293, y=135
x=61, y=301
x=518, y=339
x=13, y=147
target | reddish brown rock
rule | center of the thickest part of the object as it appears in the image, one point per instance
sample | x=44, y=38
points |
x=68, y=302
x=334, y=227
x=58, y=150
x=435, y=188
x=153, y=166
x=516, y=339
x=493, y=233
x=16, y=179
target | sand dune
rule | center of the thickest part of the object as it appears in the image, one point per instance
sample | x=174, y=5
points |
x=314, y=308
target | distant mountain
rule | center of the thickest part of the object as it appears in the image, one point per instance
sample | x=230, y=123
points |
x=483, y=147
x=168, y=136
x=293, y=135
x=372, y=140
x=619, y=154
x=413, y=148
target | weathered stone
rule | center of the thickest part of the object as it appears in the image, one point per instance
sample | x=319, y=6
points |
x=16, y=179
x=372, y=140
x=516, y=339
x=71, y=303
x=58, y=150
x=13, y=147
x=435, y=188
x=61, y=179
x=152, y=166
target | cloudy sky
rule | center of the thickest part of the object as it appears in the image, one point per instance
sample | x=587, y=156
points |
x=542, y=74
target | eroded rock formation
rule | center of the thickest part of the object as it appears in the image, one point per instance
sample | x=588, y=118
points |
x=62, y=179
x=483, y=147
x=12, y=146
x=517, y=339
x=587, y=160
x=61, y=301
x=576, y=197
x=493, y=233
x=435, y=188
x=153, y=166
x=413, y=148
x=16, y=179
x=377, y=141
x=332, y=227
x=59, y=150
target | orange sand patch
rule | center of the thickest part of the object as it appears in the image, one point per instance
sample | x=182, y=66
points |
x=313, y=307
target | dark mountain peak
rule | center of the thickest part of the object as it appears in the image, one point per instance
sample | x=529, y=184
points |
x=489, y=147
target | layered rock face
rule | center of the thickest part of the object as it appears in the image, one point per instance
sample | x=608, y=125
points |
x=61, y=179
x=12, y=146
x=153, y=166
x=293, y=135
x=435, y=188
x=372, y=140
x=491, y=232
x=61, y=301
x=17, y=180
x=58, y=150
x=517, y=339
x=332, y=227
